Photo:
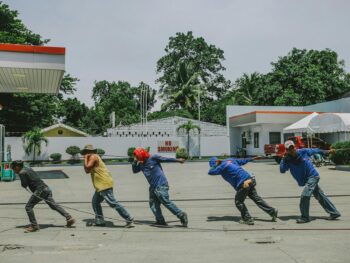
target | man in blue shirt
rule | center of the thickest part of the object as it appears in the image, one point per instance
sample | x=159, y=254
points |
x=232, y=172
x=151, y=167
x=303, y=171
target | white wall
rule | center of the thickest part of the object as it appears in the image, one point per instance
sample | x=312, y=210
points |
x=118, y=146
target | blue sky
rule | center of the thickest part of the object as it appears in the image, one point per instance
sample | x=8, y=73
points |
x=122, y=40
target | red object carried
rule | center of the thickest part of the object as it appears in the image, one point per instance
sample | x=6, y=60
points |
x=141, y=154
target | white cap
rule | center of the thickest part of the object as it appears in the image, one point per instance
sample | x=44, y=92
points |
x=288, y=143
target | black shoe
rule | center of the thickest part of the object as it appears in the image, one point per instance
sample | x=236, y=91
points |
x=100, y=222
x=274, y=216
x=160, y=223
x=302, y=220
x=249, y=221
x=333, y=217
x=184, y=219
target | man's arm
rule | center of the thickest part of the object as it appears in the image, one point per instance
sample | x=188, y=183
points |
x=242, y=161
x=284, y=166
x=136, y=167
x=162, y=159
x=217, y=170
x=90, y=161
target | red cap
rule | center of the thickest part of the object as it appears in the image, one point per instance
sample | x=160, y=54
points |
x=141, y=154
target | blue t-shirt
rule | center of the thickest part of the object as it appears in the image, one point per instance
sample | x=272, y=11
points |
x=232, y=172
x=153, y=170
x=301, y=167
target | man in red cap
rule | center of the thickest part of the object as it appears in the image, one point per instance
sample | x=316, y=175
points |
x=151, y=167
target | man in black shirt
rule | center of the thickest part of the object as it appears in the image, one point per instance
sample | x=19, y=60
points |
x=40, y=191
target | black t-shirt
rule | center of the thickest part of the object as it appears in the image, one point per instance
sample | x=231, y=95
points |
x=31, y=179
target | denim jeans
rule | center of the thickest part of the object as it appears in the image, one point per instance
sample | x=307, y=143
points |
x=108, y=195
x=158, y=196
x=46, y=195
x=251, y=192
x=312, y=188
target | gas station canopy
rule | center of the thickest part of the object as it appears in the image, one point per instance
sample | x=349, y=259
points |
x=31, y=69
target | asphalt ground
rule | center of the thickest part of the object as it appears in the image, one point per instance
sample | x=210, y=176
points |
x=214, y=233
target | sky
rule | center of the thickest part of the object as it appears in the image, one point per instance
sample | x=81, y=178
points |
x=123, y=39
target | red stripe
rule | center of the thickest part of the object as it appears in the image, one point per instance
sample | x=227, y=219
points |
x=33, y=49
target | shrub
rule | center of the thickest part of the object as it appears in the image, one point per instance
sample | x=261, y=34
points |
x=342, y=154
x=56, y=157
x=131, y=152
x=181, y=153
x=100, y=152
x=73, y=150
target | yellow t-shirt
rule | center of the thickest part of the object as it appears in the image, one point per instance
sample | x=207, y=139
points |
x=101, y=177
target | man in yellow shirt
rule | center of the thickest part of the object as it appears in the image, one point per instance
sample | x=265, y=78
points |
x=103, y=183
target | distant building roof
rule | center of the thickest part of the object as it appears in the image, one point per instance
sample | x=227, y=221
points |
x=166, y=127
x=60, y=130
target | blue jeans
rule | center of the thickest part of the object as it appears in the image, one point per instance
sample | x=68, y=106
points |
x=108, y=195
x=312, y=188
x=158, y=196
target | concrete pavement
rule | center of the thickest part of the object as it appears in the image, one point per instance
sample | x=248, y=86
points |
x=214, y=233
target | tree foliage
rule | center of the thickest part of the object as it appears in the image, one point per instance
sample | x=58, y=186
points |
x=190, y=65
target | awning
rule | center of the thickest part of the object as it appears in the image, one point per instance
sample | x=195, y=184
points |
x=301, y=125
x=330, y=122
x=31, y=69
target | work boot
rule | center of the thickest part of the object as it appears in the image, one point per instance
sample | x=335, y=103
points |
x=248, y=221
x=130, y=223
x=184, y=219
x=70, y=222
x=302, y=220
x=31, y=228
x=274, y=216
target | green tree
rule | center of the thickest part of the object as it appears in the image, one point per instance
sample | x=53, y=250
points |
x=247, y=88
x=187, y=128
x=32, y=141
x=121, y=98
x=12, y=30
x=166, y=114
x=190, y=62
x=304, y=77
x=72, y=112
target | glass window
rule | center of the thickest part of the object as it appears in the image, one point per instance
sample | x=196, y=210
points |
x=275, y=137
x=256, y=140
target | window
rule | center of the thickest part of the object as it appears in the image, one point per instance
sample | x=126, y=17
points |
x=275, y=137
x=256, y=140
x=244, y=140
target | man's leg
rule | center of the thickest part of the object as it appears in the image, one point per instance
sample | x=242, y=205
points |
x=54, y=206
x=261, y=203
x=96, y=206
x=305, y=199
x=33, y=200
x=326, y=203
x=241, y=195
x=112, y=202
x=162, y=193
x=154, y=205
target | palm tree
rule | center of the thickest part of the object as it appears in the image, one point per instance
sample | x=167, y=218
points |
x=187, y=127
x=247, y=88
x=184, y=93
x=32, y=141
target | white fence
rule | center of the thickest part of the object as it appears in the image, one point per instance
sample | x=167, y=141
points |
x=117, y=146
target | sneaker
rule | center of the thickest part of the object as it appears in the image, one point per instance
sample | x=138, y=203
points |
x=302, y=220
x=31, y=228
x=249, y=221
x=161, y=223
x=130, y=223
x=274, y=216
x=333, y=217
x=184, y=219
x=70, y=222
